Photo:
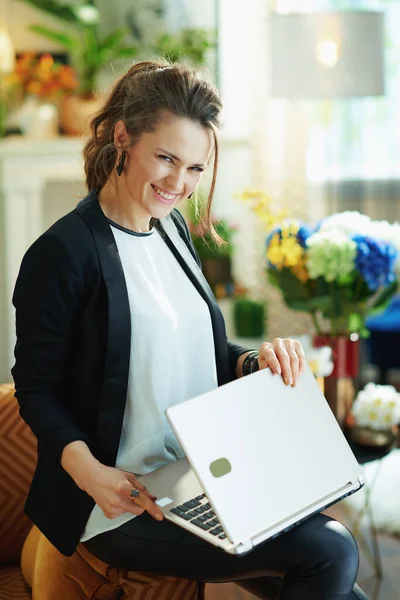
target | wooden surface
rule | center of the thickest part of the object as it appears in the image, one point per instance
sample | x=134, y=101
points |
x=387, y=589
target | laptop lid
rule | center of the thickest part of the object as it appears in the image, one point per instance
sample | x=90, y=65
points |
x=263, y=451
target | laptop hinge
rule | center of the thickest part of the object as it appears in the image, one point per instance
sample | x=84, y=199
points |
x=245, y=546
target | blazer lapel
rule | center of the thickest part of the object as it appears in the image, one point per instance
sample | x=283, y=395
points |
x=115, y=379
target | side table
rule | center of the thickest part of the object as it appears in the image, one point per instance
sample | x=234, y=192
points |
x=364, y=455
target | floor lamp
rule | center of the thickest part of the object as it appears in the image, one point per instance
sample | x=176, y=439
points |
x=327, y=55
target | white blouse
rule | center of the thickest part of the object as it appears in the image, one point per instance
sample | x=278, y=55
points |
x=172, y=353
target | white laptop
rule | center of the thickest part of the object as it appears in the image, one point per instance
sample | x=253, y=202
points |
x=261, y=457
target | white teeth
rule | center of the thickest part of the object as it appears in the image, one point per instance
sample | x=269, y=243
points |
x=164, y=194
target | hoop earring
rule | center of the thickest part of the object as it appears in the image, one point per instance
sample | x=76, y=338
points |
x=120, y=164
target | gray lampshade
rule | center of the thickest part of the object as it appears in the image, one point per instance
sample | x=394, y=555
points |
x=303, y=45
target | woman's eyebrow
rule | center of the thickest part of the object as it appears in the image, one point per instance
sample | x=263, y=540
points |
x=177, y=158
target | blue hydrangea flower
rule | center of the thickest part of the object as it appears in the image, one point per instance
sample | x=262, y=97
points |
x=303, y=233
x=375, y=261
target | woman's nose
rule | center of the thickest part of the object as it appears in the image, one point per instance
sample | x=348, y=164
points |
x=176, y=180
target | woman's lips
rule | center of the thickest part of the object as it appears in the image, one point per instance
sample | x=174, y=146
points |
x=162, y=199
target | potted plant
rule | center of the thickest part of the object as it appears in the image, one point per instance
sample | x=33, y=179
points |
x=37, y=86
x=375, y=415
x=89, y=52
x=249, y=317
x=215, y=258
x=188, y=43
x=339, y=271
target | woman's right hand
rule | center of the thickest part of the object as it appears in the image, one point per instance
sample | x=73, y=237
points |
x=109, y=487
x=111, y=490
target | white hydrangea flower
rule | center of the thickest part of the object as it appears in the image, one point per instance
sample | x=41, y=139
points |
x=385, y=231
x=331, y=254
x=349, y=221
x=332, y=236
x=377, y=406
x=319, y=359
x=87, y=13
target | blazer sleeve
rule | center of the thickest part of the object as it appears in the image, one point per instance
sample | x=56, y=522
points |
x=234, y=350
x=46, y=297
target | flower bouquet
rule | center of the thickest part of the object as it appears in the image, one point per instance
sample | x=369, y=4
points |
x=42, y=77
x=375, y=414
x=339, y=271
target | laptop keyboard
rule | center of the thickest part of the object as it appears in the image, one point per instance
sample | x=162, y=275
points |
x=200, y=513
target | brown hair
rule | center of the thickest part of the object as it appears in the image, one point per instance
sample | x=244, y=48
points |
x=140, y=98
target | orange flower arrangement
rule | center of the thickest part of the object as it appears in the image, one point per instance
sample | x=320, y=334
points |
x=41, y=76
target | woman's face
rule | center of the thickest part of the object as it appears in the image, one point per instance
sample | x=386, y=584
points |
x=165, y=166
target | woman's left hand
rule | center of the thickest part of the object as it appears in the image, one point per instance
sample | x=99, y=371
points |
x=283, y=356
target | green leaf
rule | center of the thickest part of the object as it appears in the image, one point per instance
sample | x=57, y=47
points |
x=61, y=11
x=124, y=53
x=356, y=322
x=322, y=303
x=64, y=39
x=383, y=298
x=113, y=40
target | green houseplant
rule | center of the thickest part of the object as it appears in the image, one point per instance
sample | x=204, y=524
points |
x=249, y=317
x=89, y=51
x=215, y=258
x=189, y=44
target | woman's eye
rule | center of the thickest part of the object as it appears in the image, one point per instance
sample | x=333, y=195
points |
x=166, y=158
x=197, y=169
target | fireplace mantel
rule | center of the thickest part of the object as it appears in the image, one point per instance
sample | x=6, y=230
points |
x=26, y=166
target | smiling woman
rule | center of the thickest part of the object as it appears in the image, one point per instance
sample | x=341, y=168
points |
x=115, y=324
x=160, y=170
x=163, y=137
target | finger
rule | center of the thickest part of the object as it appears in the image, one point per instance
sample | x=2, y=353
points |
x=267, y=358
x=285, y=363
x=294, y=366
x=133, y=508
x=290, y=346
x=138, y=485
x=141, y=499
x=120, y=507
x=302, y=357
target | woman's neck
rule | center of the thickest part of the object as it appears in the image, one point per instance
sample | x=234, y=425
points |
x=122, y=211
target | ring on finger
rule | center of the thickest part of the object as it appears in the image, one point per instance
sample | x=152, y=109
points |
x=134, y=493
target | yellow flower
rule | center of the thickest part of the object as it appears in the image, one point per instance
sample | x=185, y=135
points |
x=274, y=252
x=301, y=272
x=292, y=251
x=285, y=251
x=261, y=205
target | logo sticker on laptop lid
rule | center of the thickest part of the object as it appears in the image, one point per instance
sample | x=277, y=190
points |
x=220, y=467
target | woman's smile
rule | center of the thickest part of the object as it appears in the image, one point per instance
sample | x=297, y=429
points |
x=163, y=196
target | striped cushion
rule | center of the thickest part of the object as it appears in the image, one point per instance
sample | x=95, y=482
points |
x=18, y=460
x=12, y=585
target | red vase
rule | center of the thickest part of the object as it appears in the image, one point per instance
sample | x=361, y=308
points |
x=345, y=354
x=338, y=386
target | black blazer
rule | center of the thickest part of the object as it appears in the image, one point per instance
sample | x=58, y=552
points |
x=72, y=356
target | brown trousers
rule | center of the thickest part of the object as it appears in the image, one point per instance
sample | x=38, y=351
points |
x=84, y=577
